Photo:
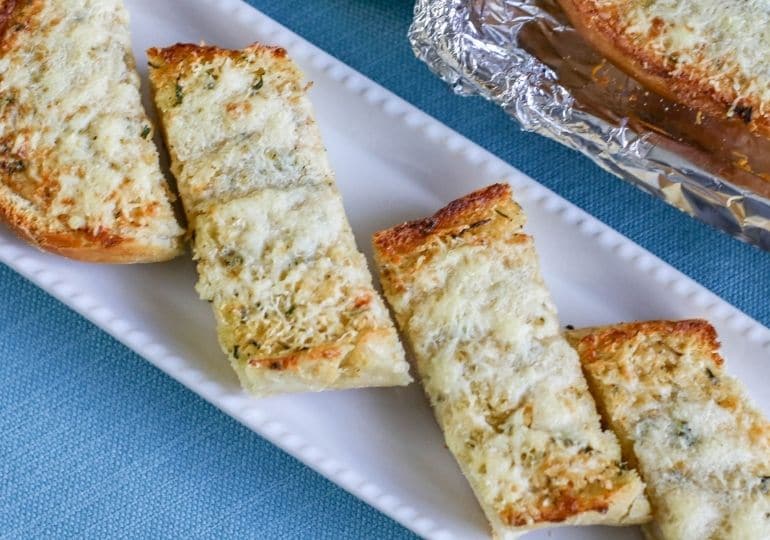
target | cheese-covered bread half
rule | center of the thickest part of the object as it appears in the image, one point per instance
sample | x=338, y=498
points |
x=700, y=445
x=292, y=295
x=79, y=172
x=708, y=54
x=505, y=385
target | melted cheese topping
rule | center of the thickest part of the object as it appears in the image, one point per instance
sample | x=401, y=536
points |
x=73, y=133
x=238, y=124
x=702, y=448
x=723, y=41
x=283, y=273
x=293, y=298
x=507, y=388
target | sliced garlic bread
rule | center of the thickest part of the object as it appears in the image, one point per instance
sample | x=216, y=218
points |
x=710, y=55
x=700, y=445
x=236, y=121
x=79, y=173
x=505, y=385
x=292, y=295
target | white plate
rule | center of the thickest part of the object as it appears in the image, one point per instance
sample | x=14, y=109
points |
x=393, y=163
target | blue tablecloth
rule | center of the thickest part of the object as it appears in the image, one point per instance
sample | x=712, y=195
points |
x=95, y=442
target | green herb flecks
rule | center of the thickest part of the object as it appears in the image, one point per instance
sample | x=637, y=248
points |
x=506, y=216
x=145, y=132
x=685, y=434
x=236, y=353
x=764, y=484
x=178, y=94
x=213, y=78
x=259, y=80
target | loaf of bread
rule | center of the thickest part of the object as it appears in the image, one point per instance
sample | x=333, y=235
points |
x=710, y=55
x=700, y=445
x=505, y=385
x=79, y=173
x=292, y=295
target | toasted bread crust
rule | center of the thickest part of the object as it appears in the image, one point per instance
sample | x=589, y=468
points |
x=326, y=353
x=82, y=245
x=177, y=58
x=603, y=29
x=593, y=344
x=15, y=17
x=472, y=210
x=592, y=341
x=293, y=361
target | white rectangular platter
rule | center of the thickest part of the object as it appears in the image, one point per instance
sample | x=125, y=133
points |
x=394, y=163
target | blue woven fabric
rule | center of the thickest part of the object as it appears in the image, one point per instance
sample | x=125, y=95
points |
x=94, y=442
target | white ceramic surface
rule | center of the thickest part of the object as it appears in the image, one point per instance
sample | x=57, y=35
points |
x=393, y=163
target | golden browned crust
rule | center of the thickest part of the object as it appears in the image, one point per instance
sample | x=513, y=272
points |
x=82, y=245
x=363, y=361
x=601, y=351
x=15, y=17
x=590, y=342
x=481, y=216
x=328, y=352
x=562, y=505
x=475, y=209
x=603, y=30
x=191, y=52
x=293, y=360
x=172, y=61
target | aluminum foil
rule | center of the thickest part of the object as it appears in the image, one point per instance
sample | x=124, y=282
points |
x=524, y=56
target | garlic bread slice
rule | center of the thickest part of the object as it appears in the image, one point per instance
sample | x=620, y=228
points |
x=697, y=440
x=79, y=173
x=505, y=385
x=292, y=295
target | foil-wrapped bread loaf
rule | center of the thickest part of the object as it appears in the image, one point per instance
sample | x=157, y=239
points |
x=710, y=55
